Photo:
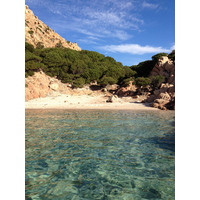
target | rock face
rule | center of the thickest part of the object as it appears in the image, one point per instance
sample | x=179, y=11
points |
x=40, y=85
x=39, y=34
x=164, y=97
x=129, y=90
x=165, y=67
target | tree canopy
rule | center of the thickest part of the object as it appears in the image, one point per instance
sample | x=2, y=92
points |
x=143, y=68
x=172, y=55
x=83, y=67
x=76, y=67
x=157, y=56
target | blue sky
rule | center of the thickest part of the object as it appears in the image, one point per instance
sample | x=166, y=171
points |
x=130, y=31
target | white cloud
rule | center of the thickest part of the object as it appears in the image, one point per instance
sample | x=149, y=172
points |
x=149, y=5
x=87, y=41
x=104, y=17
x=104, y=33
x=172, y=47
x=88, y=33
x=134, y=49
x=93, y=38
x=122, y=35
x=113, y=15
x=108, y=19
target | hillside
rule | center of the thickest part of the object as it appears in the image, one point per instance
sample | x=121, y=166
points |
x=40, y=35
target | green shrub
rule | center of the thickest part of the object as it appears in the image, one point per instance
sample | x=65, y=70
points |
x=143, y=68
x=107, y=80
x=59, y=45
x=157, y=56
x=172, y=55
x=142, y=81
x=29, y=73
x=78, y=83
x=53, y=59
x=39, y=45
x=30, y=32
x=47, y=29
x=156, y=81
x=126, y=81
x=31, y=56
x=29, y=47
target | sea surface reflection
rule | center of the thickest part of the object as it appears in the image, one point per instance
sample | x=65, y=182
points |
x=107, y=155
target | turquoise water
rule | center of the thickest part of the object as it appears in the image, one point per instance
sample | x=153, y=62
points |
x=107, y=155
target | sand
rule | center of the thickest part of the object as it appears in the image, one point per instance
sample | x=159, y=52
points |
x=63, y=101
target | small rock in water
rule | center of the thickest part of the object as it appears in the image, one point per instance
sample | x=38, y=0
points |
x=132, y=184
x=151, y=194
x=155, y=192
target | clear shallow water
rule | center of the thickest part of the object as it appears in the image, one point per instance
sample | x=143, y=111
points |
x=107, y=155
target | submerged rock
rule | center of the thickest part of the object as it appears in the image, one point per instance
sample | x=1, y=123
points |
x=150, y=193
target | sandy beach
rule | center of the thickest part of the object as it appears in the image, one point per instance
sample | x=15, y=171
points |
x=63, y=101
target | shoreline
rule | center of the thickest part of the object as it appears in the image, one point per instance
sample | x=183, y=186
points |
x=86, y=102
x=97, y=107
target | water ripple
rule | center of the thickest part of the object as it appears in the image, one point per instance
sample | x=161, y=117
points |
x=88, y=155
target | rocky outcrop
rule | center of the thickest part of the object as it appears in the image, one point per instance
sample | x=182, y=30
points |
x=165, y=67
x=128, y=90
x=41, y=85
x=111, y=88
x=39, y=34
x=164, y=97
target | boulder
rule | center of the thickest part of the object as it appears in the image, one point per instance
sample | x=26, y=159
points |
x=94, y=83
x=112, y=87
x=161, y=101
x=162, y=107
x=130, y=90
x=122, y=92
x=151, y=98
x=54, y=86
x=171, y=79
x=171, y=105
x=104, y=90
x=156, y=92
x=155, y=105
x=110, y=99
x=164, y=96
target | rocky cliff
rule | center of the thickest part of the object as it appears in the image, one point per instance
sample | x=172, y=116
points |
x=164, y=97
x=164, y=67
x=39, y=34
x=41, y=85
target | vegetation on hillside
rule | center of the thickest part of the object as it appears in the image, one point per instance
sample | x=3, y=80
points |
x=83, y=67
x=75, y=67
